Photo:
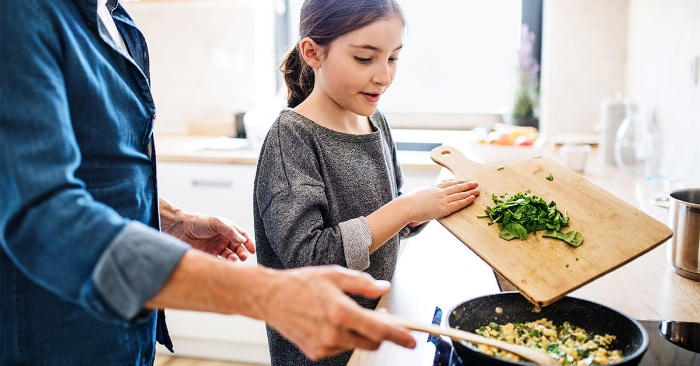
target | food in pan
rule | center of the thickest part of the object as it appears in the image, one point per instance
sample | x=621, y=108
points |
x=525, y=213
x=568, y=344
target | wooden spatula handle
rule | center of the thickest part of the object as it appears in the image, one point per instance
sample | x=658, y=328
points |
x=531, y=354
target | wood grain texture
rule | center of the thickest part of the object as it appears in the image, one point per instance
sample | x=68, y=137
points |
x=546, y=269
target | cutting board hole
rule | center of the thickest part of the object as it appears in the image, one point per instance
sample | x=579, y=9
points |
x=445, y=153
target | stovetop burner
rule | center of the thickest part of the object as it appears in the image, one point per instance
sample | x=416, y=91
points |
x=670, y=344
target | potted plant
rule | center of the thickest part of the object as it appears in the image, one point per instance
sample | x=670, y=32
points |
x=525, y=108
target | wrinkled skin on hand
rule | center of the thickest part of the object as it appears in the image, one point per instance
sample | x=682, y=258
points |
x=322, y=320
x=210, y=234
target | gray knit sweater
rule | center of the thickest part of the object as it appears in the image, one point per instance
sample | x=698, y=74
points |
x=313, y=187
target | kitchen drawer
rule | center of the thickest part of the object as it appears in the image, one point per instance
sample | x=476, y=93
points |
x=212, y=189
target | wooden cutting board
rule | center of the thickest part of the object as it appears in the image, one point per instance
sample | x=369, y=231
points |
x=546, y=269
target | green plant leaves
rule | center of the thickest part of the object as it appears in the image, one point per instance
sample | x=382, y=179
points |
x=525, y=213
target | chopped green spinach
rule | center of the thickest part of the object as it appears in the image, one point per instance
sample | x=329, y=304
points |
x=525, y=213
x=550, y=177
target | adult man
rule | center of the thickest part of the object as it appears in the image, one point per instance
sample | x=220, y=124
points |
x=82, y=264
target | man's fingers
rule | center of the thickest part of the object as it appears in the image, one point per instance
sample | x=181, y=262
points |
x=229, y=230
x=375, y=329
x=359, y=283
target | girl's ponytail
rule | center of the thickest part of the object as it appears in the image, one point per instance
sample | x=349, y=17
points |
x=298, y=76
x=323, y=21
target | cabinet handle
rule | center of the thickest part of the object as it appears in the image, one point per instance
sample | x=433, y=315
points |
x=212, y=183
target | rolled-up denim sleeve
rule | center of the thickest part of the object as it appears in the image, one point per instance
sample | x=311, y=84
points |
x=135, y=267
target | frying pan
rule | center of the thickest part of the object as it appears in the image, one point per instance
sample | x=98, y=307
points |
x=631, y=339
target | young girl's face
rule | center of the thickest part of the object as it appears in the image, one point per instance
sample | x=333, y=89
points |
x=359, y=66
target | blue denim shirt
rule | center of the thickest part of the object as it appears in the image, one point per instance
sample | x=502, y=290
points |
x=80, y=248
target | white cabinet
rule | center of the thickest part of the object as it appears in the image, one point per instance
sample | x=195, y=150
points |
x=213, y=189
x=224, y=190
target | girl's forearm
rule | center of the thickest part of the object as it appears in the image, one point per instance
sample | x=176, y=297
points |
x=387, y=221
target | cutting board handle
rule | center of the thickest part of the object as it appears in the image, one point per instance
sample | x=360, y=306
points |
x=452, y=159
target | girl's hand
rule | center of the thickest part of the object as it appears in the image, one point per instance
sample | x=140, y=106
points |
x=439, y=200
x=418, y=206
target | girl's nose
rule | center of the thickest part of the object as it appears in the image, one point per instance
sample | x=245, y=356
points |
x=383, y=75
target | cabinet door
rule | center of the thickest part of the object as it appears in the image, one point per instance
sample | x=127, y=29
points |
x=227, y=191
x=211, y=189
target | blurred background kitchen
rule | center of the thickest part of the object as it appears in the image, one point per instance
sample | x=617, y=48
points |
x=599, y=62
x=211, y=59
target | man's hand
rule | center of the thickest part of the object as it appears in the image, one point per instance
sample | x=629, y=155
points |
x=309, y=306
x=210, y=234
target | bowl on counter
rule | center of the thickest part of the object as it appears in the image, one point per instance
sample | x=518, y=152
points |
x=511, y=307
x=485, y=153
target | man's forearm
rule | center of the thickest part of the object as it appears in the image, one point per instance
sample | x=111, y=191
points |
x=202, y=282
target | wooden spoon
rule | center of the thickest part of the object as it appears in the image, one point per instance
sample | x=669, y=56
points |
x=538, y=357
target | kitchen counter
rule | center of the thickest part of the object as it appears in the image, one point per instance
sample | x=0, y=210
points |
x=223, y=150
x=437, y=269
x=195, y=149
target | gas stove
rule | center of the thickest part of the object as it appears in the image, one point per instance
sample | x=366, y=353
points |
x=670, y=344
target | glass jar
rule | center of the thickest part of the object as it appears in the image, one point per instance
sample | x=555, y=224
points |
x=638, y=143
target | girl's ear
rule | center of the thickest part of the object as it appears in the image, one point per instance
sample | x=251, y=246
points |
x=310, y=52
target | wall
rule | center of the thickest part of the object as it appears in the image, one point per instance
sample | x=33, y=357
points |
x=583, y=61
x=209, y=58
x=594, y=49
x=664, y=35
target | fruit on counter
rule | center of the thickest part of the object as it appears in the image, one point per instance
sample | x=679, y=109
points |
x=524, y=140
x=508, y=135
x=500, y=138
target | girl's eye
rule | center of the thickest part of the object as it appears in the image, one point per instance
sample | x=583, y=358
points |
x=362, y=60
x=393, y=59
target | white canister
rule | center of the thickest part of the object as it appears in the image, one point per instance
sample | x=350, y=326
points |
x=612, y=113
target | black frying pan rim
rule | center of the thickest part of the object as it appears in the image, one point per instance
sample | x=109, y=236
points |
x=637, y=353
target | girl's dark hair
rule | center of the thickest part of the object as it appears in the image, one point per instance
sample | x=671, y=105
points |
x=324, y=21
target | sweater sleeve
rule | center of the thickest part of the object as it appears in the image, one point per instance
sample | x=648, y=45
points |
x=357, y=240
x=296, y=231
x=291, y=203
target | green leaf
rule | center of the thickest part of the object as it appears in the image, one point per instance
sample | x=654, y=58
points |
x=506, y=234
x=525, y=213
x=573, y=237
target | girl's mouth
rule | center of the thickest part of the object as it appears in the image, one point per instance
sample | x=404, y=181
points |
x=371, y=97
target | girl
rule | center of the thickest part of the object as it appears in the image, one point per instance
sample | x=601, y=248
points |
x=328, y=178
